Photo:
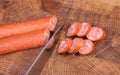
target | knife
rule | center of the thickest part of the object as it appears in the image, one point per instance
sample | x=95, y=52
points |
x=43, y=56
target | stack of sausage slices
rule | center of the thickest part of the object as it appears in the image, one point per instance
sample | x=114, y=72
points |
x=79, y=44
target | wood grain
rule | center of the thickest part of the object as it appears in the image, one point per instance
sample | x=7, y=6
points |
x=105, y=60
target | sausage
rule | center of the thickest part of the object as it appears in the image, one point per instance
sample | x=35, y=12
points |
x=24, y=41
x=73, y=29
x=85, y=28
x=77, y=43
x=65, y=45
x=96, y=34
x=87, y=48
x=28, y=26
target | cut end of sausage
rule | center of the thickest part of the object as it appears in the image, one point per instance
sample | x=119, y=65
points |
x=77, y=43
x=96, y=34
x=87, y=48
x=46, y=35
x=85, y=28
x=53, y=22
x=73, y=29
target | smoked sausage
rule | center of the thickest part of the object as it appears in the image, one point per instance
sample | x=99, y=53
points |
x=96, y=34
x=28, y=26
x=77, y=44
x=65, y=45
x=87, y=48
x=24, y=41
x=73, y=29
x=85, y=28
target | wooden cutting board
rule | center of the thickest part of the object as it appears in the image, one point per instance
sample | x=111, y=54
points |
x=105, y=60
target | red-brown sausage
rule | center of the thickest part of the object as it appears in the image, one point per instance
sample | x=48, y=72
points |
x=24, y=41
x=85, y=28
x=87, y=48
x=96, y=34
x=77, y=43
x=28, y=26
x=65, y=45
x=73, y=29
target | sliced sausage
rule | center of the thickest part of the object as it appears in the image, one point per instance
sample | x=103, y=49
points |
x=65, y=45
x=28, y=26
x=96, y=34
x=85, y=28
x=77, y=43
x=87, y=48
x=73, y=29
x=24, y=41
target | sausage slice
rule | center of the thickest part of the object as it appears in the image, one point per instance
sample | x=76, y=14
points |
x=96, y=34
x=87, y=47
x=77, y=43
x=85, y=28
x=65, y=45
x=73, y=29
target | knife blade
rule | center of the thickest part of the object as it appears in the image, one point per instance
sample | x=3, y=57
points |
x=43, y=56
